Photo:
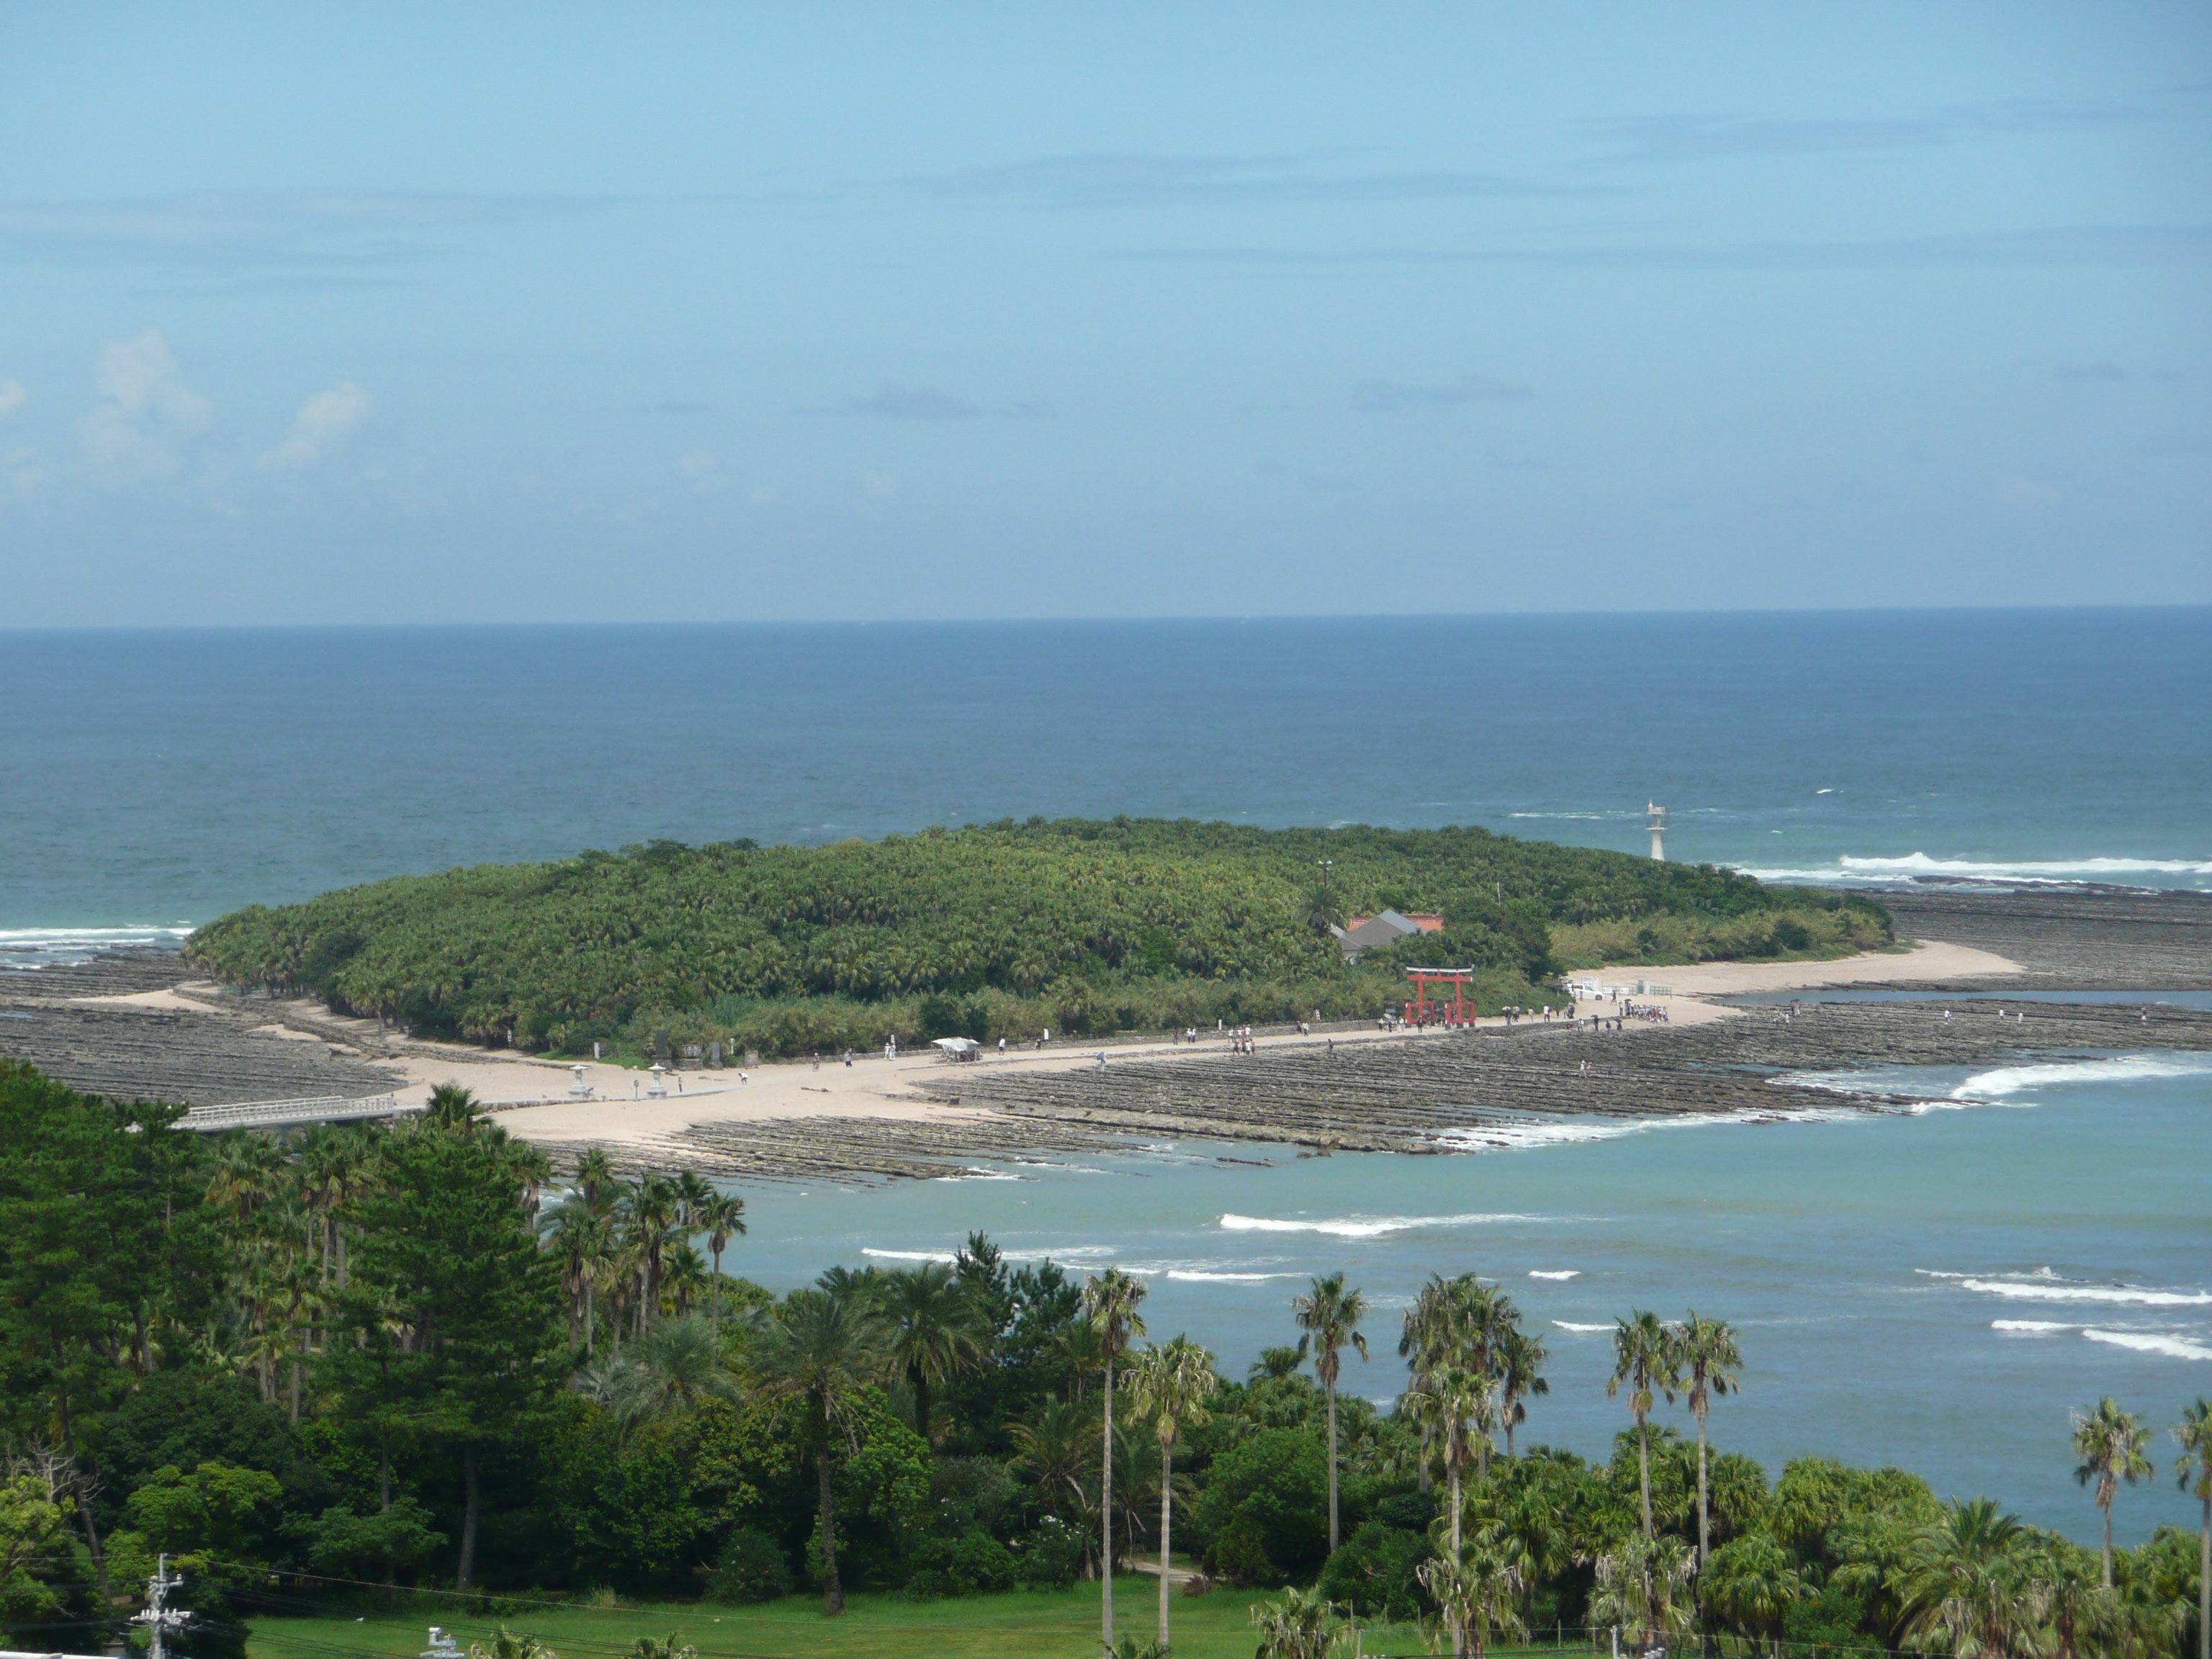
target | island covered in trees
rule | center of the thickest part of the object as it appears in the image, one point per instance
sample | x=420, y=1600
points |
x=998, y=930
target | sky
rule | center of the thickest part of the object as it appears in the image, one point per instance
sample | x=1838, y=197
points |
x=434, y=313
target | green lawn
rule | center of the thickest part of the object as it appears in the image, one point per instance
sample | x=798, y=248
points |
x=1020, y=1625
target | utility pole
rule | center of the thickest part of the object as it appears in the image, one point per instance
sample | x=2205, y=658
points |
x=160, y=1618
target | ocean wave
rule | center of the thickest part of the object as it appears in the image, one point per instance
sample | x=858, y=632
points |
x=1555, y=1272
x=2166, y=1343
x=1058, y=1253
x=1519, y=1136
x=2174, y=1348
x=2025, y=872
x=58, y=947
x=1569, y=1325
x=1365, y=1226
x=2121, y=1068
x=2060, y=1291
x=1199, y=1275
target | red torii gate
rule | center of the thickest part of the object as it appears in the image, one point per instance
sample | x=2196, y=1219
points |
x=1458, y=978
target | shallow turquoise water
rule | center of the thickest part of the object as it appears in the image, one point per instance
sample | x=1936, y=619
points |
x=1872, y=1262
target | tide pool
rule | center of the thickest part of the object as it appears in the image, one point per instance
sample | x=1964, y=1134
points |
x=1933, y=1291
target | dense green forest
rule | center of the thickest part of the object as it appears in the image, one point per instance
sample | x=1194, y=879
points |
x=1003, y=929
x=314, y=1367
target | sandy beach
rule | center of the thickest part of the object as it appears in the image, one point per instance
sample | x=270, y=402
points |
x=140, y=1028
x=874, y=1087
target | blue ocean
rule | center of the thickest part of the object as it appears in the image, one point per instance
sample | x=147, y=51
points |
x=1935, y=1291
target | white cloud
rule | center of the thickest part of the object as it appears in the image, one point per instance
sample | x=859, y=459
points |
x=12, y=397
x=702, y=469
x=22, y=472
x=136, y=432
x=322, y=424
x=2024, y=497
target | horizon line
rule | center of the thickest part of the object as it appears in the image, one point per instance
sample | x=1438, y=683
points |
x=1202, y=618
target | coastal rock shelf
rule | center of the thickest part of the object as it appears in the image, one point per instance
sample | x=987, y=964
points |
x=2074, y=941
x=1405, y=1095
x=146, y=1053
x=851, y=1148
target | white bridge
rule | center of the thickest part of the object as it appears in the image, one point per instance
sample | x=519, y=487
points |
x=291, y=1113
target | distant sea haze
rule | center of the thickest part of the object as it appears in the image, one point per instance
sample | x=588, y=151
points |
x=157, y=780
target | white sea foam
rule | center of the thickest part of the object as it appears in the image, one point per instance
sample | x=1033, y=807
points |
x=2008, y=1080
x=1559, y=1273
x=2059, y=1290
x=54, y=947
x=2174, y=1348
x=1364, y=1226
x=1519, y=1135
x=2030, y=1327
x=2024, y=872
x=1198, y=1275
x=1569, y=1325
x=1068, y=1253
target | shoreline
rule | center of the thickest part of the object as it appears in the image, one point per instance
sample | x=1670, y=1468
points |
x=139, y=1028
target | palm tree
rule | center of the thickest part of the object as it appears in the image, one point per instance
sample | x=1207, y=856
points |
x=1109, y=1308
x=1750, y=1583
x=1521, y=1359
x=936, y=1330
x=2112, y=1445
x=693, y=1196
x=653, y=1208
x=1706, y=1353
x=1170, y=1383
x=1452, y=1410
x=1644, y=1357
x=249, y=1172
x=1635, y=1585
x=1479, y=1590
x=322, y=1158
x=721, y=1218
x=1431, y=1338
x=2193, y=1469
x=595, y=1171
x=1303, y=1625
x=573, y=1238
x=531, y=1171
x=1961, y=1584
x=452, y=1106
x=1055, y=1449
x=1328, y=1317
x=357, y=1168
x=676, y=1366
x=511, y=1644
x=684, y=1280
x=822, y=1351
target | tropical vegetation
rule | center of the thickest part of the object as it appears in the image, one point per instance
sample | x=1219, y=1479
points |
x=1000, y=930
x=333, y=1371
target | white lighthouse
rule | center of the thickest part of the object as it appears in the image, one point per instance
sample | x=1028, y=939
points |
x=1657, y=826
